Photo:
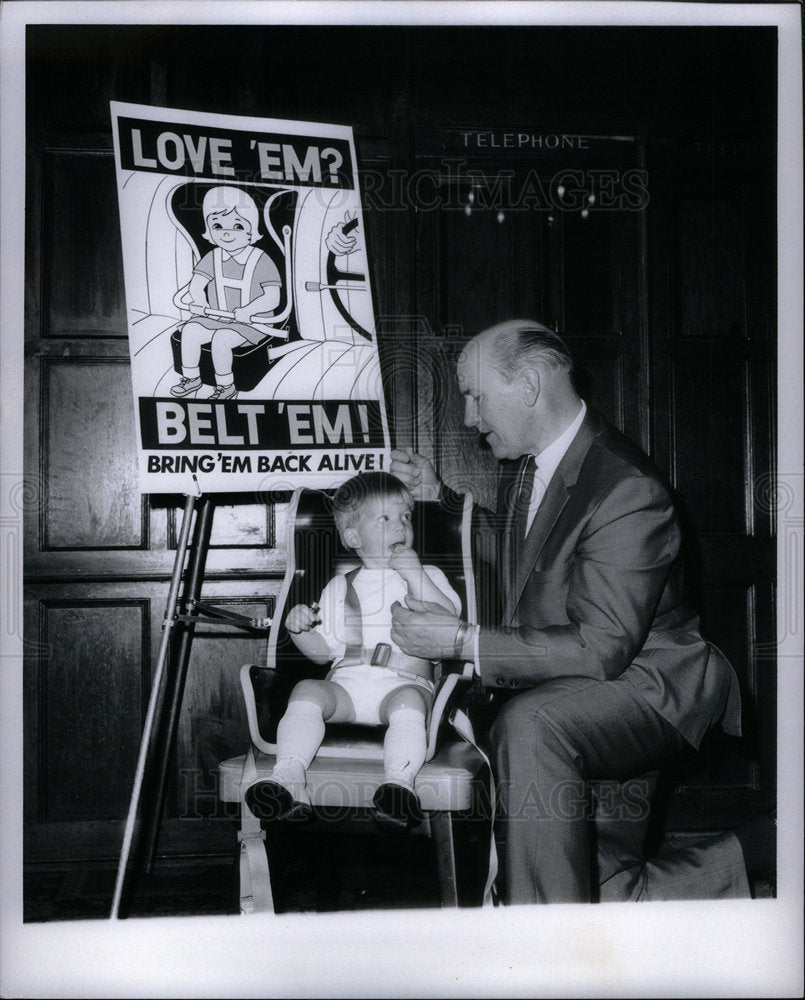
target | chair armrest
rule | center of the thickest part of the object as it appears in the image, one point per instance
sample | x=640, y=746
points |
x=259, y=684
x=450, y=692
x=265, y=694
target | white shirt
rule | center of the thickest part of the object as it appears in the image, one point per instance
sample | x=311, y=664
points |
x=376, y=588
x=548, y=461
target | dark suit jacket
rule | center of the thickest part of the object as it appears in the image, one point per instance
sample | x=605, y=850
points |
x=595, y=590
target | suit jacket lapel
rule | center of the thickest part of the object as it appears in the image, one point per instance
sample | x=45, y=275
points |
x=553, y=503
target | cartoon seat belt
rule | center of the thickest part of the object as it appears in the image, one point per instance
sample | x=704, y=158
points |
x=242, y=285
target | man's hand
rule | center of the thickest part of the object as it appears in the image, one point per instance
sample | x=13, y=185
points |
x=424, y=629
x=416, y=472
x=302, y=618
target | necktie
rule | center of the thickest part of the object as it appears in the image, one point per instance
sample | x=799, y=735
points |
x=523, y=498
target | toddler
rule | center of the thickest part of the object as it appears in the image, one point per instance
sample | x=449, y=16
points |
x=372, y=681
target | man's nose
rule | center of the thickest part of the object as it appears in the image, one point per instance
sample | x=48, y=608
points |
x=470, y=413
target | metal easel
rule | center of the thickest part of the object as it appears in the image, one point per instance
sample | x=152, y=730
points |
x=167, y=689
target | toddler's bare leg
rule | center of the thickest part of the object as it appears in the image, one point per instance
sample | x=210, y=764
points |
x=404, y=747
x=301, y=730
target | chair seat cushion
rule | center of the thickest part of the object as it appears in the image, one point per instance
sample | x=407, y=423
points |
x=444, y=784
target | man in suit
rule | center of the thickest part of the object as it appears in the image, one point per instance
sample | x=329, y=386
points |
x=609, y=673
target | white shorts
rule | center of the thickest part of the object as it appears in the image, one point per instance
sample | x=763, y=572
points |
x=367, y=686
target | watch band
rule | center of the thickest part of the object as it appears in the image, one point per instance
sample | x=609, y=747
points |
x=461, y=635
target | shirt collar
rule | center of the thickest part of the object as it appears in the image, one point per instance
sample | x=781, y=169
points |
x=550, y=457
x=239, y=256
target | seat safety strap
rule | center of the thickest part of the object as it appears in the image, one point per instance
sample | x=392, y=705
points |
x=255, y=879
x=382, y=655
x=460, y=722
x=353, y=623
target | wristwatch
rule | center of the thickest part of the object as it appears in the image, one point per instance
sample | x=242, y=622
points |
x=461, y=635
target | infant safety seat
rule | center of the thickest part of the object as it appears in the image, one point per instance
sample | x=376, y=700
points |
x=455, y=782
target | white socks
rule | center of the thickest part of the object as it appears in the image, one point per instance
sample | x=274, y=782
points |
x=299, y=733
x=404, y=746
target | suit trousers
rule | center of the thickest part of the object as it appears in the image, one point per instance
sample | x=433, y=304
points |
x=576, y=764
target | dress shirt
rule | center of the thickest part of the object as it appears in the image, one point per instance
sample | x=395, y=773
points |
x=548, y=461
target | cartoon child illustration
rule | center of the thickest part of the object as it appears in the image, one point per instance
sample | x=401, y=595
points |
x=231, y=285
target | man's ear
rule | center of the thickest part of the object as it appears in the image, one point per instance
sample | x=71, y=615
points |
x=531, y=384
x=351, y=538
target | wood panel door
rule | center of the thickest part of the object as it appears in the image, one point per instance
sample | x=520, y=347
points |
x=98, y=555
x=668, y=306
x=713, y=319
x=537, y=235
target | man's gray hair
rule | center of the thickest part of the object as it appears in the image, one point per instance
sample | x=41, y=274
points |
x=519, y=342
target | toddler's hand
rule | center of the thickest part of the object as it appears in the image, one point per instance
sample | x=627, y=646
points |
x=243, y=314
x=302, y=618
x=404, y=560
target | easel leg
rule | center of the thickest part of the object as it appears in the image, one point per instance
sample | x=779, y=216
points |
x=176, y=679
x=170, y=611
x=441, y=826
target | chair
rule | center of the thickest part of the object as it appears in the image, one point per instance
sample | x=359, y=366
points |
x=454, y=785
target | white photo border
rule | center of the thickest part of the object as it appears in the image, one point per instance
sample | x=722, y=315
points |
x=743, y=948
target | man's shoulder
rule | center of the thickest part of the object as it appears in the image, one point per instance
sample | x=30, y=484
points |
x=614, y=456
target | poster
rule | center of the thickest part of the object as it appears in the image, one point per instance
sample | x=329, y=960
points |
x=251, y=325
